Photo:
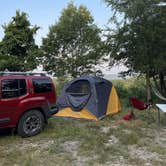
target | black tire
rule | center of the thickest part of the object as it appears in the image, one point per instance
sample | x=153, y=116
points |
x=31, y=123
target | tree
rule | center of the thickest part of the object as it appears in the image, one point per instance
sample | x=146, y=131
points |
x=18, y=50
x=72, y=46
x=139, y=40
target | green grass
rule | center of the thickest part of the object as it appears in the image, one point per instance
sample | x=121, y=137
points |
x=92, y=146
x=68, y=142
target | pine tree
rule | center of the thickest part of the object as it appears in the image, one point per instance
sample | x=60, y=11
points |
x=18, y=51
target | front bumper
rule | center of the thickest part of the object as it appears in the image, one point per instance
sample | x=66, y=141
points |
x=53, y=110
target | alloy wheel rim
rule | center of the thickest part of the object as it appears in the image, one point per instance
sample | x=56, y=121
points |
x=32, y=124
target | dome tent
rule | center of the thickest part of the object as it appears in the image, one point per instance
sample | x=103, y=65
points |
x=88, y=97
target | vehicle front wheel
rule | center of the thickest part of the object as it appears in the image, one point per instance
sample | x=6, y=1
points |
x=31, y=123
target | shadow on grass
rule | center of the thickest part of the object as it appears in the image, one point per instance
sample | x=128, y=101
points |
x=6, y=132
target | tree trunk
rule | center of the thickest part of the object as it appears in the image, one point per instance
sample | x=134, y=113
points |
x=148, y=88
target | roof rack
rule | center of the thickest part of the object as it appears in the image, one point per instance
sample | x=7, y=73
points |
x=21, y=73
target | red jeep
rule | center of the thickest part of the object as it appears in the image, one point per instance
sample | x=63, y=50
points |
x=26, y=101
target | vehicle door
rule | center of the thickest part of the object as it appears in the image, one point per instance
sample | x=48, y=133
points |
x=12, y=91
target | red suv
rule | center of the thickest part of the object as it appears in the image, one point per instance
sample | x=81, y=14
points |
x=26, y=101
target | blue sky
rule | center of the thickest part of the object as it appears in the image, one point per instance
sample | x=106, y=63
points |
x=46, y=12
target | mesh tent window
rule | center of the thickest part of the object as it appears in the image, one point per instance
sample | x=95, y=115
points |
x=81, y=86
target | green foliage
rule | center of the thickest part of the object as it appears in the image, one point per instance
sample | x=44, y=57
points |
x=133, y=87
x=18, y=51
x=60, y=83
x=139, y=40
x=73, y=44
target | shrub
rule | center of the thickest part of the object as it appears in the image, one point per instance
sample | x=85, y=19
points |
x=60, y=83
x=133, y=87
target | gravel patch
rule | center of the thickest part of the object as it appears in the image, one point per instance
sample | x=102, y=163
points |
x=145, y=155
x=112, y=140
x=105, y=129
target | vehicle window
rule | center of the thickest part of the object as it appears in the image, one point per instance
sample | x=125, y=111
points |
x=22, y=87
x=13, y=88
x=79, y=87
x=42, y=85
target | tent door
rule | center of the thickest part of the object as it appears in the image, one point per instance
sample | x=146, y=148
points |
x=78, y=94
x=78, y=101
